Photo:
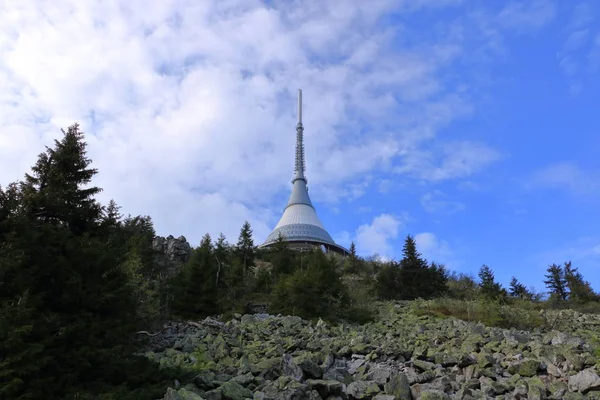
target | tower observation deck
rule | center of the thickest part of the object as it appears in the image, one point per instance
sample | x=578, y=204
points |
x=299, y=225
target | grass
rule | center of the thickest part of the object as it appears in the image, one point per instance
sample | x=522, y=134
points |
x=488, y=312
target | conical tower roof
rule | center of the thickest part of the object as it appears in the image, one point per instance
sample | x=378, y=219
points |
x=299, y=223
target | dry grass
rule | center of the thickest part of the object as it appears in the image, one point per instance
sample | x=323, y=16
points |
x=490, y=313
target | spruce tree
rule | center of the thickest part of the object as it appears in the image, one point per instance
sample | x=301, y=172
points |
x=487, y=283
x=389, y=285
x=282, y=257
x=197, y=295
x=245, y=246
x=353, y=260
x=353, y=251
x=222, y=258
x=518, y=290
x=579, y=289
x=556, y=282
x=315, y=291
x=57, y=190
x=413, y=271
x=62, y=276
x=419, y=278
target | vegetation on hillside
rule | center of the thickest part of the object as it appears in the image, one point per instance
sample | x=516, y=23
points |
x=78, y=281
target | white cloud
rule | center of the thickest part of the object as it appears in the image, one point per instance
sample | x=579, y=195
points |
x=566, y=176
x=376, y=237
x=527, y=15
x=452, y=160
x=189, y=106
x=437, y=201
x=434, y=249
x=577, y=57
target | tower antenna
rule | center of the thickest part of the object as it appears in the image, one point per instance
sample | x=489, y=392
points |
x=299, y=106
x=300, y=165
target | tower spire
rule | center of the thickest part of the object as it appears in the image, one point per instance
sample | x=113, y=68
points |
x=300, y=225
x=300, y=164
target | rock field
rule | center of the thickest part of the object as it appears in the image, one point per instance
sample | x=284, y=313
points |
x=401, y=356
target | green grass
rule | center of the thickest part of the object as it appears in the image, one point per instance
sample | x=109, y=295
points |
x=488, y=312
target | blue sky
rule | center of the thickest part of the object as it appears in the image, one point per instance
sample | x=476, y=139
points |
x=471, y=125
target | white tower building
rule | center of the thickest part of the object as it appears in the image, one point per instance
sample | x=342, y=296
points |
x=299, y=225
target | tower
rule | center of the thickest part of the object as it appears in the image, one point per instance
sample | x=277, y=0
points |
x=299, y=224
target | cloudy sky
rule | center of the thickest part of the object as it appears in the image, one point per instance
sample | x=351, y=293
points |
x=470, y=124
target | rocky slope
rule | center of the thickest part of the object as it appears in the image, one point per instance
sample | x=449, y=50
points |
x=402, y=356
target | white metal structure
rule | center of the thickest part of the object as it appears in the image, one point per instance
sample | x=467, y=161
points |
x=299, y=225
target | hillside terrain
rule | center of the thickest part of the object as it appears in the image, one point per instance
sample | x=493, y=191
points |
x=402, y=355
x=85, y=294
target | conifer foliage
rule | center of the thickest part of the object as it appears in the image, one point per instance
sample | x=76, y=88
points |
x=413, y=277
x=66, y=305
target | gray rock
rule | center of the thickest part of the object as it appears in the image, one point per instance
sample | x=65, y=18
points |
x=434, y=395
x=234, y=391
x=362, y=390
x=290, y=368
x=171, y=253
x=398, y=387
x=584, y=381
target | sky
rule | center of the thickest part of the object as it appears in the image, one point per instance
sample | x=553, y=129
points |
x=472, y=125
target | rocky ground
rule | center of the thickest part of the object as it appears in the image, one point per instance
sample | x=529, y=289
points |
x=401, y=356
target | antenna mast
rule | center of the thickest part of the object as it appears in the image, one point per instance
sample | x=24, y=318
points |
x=300, y=164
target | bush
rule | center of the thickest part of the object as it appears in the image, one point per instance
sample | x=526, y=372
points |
x=488, y=312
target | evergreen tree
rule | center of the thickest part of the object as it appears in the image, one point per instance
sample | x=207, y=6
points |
x=414, y=271
x=556, y=282
x=438, y=279
x=198, y=293
x=61, y=275
x=518, y=290
x=579, y=289
x=57, y=191
x=245, y=247
x=315, y=291
x=487, y=283
x=111, y=214
x=419, y=278
x=282, y=257
x=389, y=284
x=222, y=258
x=353, y=260
x=353, y=251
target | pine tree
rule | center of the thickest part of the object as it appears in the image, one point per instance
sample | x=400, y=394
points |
x=245, y=246
x=198, y=296
x=221, y=257
x=579, y=289
x=57, y=188
x=419, y=278
x=518, y=290
x=313, y=291
x=353, y=262
x=487, y=283
x=282, y=257
x=556, y=282
x=66, y=305
x=353, y=251
x=111, y=214
x=389, y=285
x=437, y=280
